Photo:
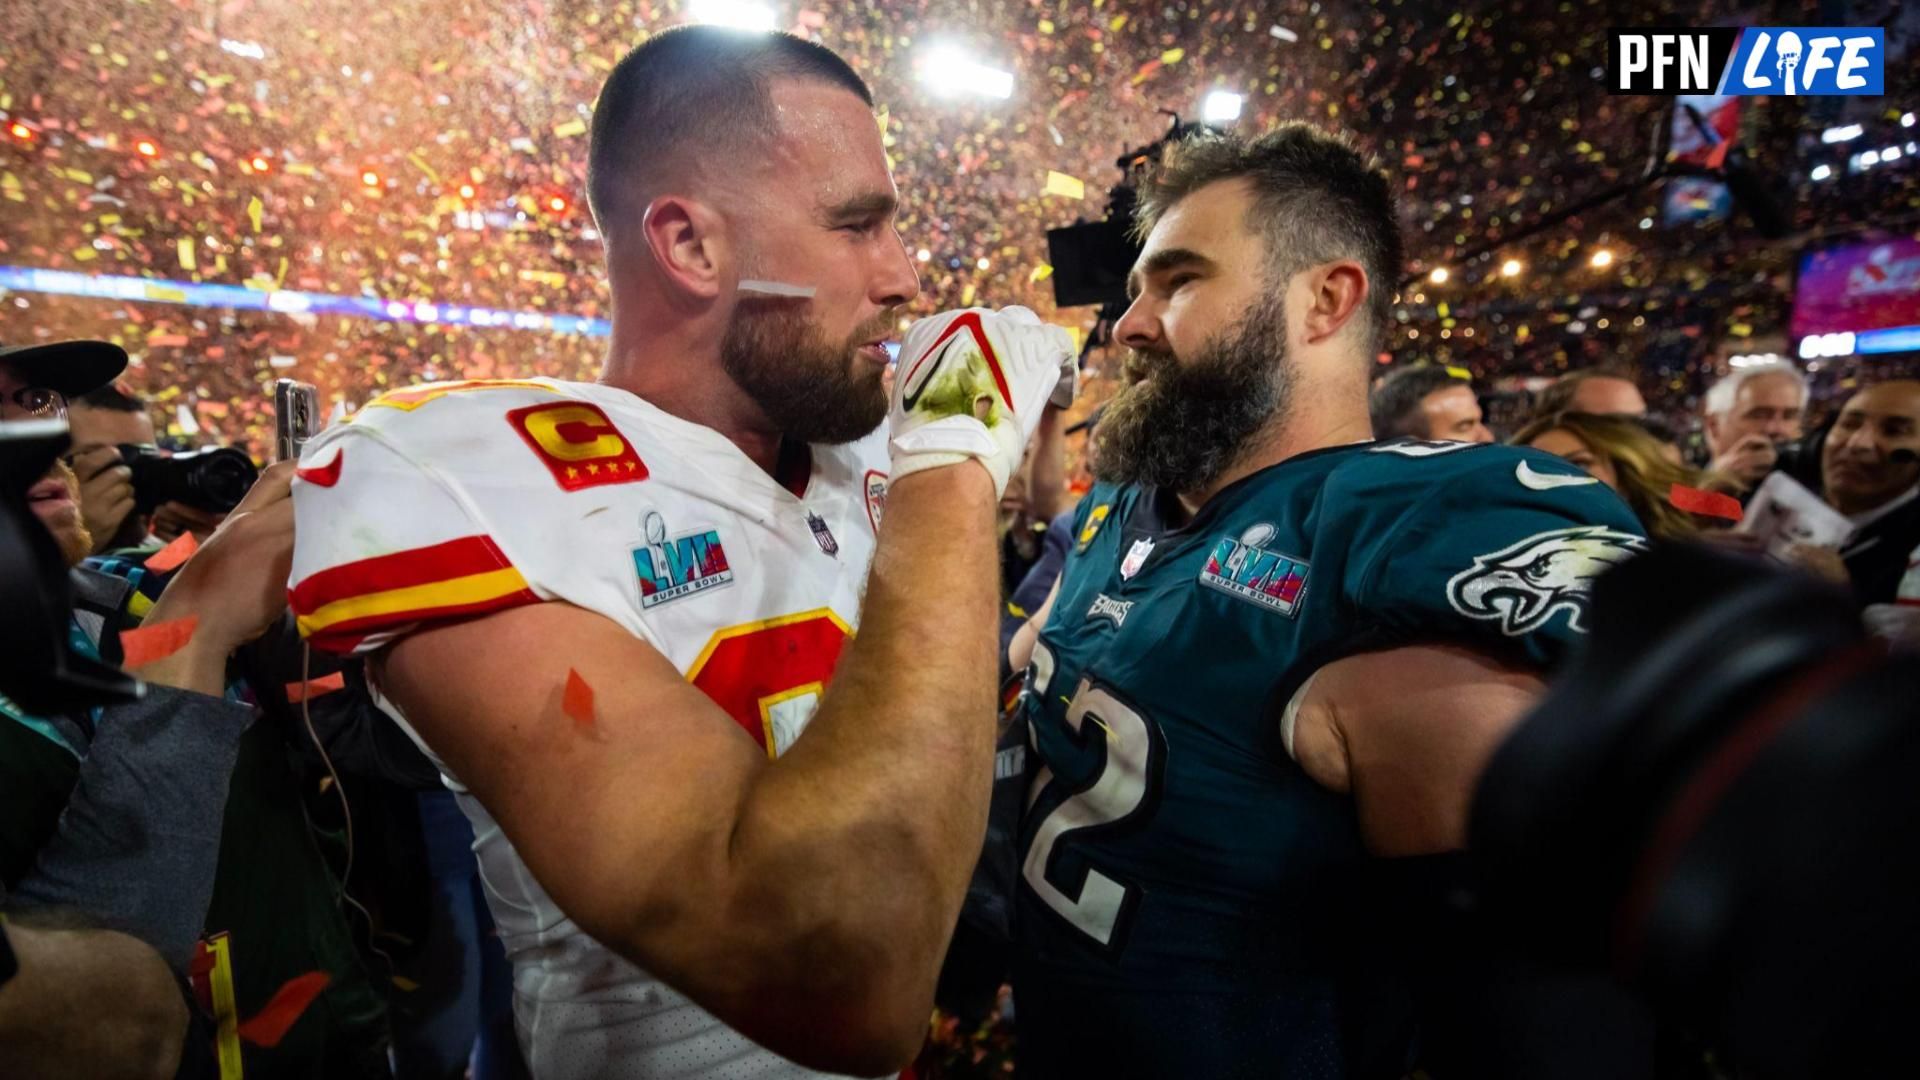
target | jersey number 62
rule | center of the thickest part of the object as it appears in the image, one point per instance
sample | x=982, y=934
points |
x=1124, y=789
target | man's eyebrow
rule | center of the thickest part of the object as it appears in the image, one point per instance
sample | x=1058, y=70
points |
x=1162, y=261
x=872, y=204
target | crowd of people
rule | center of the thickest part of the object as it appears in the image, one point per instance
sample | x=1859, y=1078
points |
x=293, y=890
x=435, y=153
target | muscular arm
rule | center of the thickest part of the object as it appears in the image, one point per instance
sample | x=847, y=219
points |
x=1408, y=732
x=91, y=1003
x=808, y=902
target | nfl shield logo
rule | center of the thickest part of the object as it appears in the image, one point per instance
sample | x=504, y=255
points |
x=822, y=535
x=1135, y=557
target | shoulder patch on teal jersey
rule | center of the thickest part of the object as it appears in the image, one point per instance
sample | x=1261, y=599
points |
x=1095, y=518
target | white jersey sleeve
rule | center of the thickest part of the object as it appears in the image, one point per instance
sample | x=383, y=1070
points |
x=432, y=505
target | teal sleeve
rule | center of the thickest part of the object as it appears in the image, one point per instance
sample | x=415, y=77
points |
x=1501, y=550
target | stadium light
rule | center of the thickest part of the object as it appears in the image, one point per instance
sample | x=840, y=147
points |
x=1221, y=107
x=261, y=164
x=1847, y=133
x=370, y=178
x=737, y=14
x=20, y=131
x=1510, y=268
x=948, y=73
x=923, y=255
x=1821, y=172
x=1891, y=153
x=145, y=148
x=1906, y=119
x=1601, y=259
x=557, y=204
x=1438, y=275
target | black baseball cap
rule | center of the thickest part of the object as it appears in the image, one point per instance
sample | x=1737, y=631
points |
x=71, y=367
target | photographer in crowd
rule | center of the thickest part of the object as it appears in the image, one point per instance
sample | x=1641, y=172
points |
x=176, y=818
x=1748, y=414
x=135, y=497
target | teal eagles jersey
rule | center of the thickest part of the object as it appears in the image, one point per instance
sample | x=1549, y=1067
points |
x=1188, y=896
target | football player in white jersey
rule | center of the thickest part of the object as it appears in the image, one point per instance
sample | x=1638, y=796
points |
x=612, y=611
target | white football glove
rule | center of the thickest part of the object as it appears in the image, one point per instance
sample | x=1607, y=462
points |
x=972, y=384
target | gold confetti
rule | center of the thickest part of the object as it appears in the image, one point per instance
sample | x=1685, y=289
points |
x=1059, y=183
x=569, y=128
x=255, y=209
x=184, y=246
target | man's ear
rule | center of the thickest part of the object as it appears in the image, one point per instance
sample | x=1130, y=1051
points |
x=687, y=239
x=1335, y=292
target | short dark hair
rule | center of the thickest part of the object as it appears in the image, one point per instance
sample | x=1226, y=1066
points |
x=1394, y=405
x=113, y=397
x=1559, y=394
x=1316, y=198
x=703, y=86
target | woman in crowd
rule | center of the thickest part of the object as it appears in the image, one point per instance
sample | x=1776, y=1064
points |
x=1626, y=457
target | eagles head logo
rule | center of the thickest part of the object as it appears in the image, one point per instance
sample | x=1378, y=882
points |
x=1523, y=586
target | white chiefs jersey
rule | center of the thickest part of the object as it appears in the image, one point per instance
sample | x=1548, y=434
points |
x=456, y=499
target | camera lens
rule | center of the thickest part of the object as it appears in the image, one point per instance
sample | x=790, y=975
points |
x=221, y=477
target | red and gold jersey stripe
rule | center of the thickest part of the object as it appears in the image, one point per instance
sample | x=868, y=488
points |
x=339, y=607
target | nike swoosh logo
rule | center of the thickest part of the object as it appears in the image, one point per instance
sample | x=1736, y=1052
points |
x=917, y=375
x=1548, y=481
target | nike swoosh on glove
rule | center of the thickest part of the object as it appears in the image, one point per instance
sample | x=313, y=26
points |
x=972, y=384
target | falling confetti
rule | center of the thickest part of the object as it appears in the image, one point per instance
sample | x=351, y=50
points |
x=576, y=701
x=1706, y=503
x=268, y=1026
x=174, y=555
x=298, y=692
x=146, y=644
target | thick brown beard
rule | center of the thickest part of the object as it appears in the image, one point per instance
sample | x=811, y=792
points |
x=1181, y=426
x=810, y=389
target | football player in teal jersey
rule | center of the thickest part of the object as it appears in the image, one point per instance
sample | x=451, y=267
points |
x=1278, y=649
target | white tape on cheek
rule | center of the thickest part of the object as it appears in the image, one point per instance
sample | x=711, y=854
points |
x=777, y=288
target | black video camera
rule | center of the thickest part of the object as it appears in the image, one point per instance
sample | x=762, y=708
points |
x=213, y=479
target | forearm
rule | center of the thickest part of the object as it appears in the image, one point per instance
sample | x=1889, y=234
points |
x=863, y=836
x=89, y=1003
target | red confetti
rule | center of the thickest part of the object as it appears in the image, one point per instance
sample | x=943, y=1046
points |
x=161, y=640
x=577, y=700
x=277, y=1017
x=1708, y=503
x=298, y=692
x=174, y=555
